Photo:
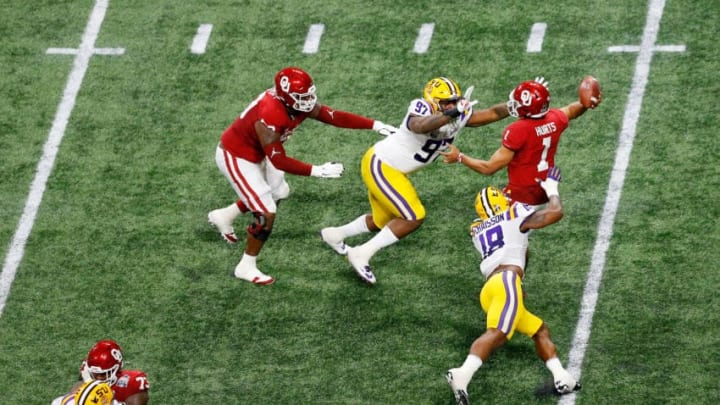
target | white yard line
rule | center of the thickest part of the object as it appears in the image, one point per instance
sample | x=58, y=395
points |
x=199, y=43
x=617, y=179
x=312, y=41
x=537, y=36
x=50, y=150
x=422, y=42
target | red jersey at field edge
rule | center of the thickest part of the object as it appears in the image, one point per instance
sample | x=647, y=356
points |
x=534, y=142
x=129, y=382
x=241, y=139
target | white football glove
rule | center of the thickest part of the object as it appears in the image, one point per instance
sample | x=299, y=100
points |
x=464, y=106
x=383, y=128
x=550, y=184
x=542, y=81
x=85, y=373
x=329, y=170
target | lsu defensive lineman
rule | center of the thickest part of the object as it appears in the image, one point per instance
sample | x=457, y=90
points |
x=431, y=124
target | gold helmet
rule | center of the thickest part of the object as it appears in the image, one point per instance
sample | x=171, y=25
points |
x=94, y=393
x=490, y=202
x=441, y=89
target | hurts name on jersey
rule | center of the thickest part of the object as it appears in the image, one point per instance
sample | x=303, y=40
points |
x=545, y=129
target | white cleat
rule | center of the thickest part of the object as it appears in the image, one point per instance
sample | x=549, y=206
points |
x=566, y=384
x=334, y=240
x=215, y=218
x=361, y=265
x=458, y=387
x=253, y=275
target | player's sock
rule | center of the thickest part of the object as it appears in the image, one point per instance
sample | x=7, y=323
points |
x=383, y=239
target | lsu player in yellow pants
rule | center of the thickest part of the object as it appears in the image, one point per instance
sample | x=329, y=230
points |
x=500, y=235
x=430, y=125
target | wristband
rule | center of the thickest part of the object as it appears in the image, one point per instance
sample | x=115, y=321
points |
x=460, y=157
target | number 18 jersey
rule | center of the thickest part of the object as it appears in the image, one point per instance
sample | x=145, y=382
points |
x=499, y=239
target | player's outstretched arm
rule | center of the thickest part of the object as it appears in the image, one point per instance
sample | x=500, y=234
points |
x=498, y=160
x=488, y=115
x=553, y=211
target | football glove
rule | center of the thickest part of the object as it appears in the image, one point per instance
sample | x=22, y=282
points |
x=383, y=128
x=329, y=170
x=542, y=81
x=550, y=184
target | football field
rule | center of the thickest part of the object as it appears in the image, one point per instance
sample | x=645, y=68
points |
x=110, y=112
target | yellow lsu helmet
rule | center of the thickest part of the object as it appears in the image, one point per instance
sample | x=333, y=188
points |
x=94, y=392
x=490, y=202
x=440, y=89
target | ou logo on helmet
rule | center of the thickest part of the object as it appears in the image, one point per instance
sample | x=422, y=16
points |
x=285, y=84
x=117, y=354
x=526, y=98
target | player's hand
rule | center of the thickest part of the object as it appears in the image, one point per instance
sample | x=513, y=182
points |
x=541, y=80
x=550, y=184
x=450, y=155
x=383, y=128
x=329, y=170
x=465, y=106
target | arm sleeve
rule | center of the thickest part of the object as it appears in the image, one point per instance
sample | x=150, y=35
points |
x=344, y=119
x=276, y=153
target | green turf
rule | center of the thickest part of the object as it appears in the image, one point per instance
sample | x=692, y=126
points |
x=121, y=247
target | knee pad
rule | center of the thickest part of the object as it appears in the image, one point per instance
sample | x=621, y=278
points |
x=259, y=229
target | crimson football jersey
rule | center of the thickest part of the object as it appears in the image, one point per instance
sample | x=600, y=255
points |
x=241, y=139
x=129, y=382
x=534, y=142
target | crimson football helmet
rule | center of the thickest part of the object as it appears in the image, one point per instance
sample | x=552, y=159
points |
x=529, y=99
x=104, y=361
x=296, y=88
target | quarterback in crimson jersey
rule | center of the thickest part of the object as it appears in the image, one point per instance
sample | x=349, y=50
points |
x=528, y=144
x=252, y=158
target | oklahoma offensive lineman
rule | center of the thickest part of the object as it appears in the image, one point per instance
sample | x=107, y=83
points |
x=104, y=362
x=528, y=144
x=252, y=158
x=430, y=125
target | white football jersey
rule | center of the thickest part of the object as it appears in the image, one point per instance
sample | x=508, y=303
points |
x=499, y=239
x=408, y=151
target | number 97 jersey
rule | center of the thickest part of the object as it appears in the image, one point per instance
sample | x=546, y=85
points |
x=499, y=239
x=408, y=151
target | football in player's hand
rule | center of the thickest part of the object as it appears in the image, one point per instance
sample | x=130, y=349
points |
x=589, y=92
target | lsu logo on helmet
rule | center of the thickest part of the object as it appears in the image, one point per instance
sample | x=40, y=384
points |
x=94, y=393
x=441, y=89
x=490, y=202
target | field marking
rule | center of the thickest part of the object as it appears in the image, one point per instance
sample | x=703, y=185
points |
x=199, y=43
x=537, y=35
x=635, y=48
x=422, y=42
x=312, y=41
x=96, y=51
x=50, y=150
x=617, y=179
